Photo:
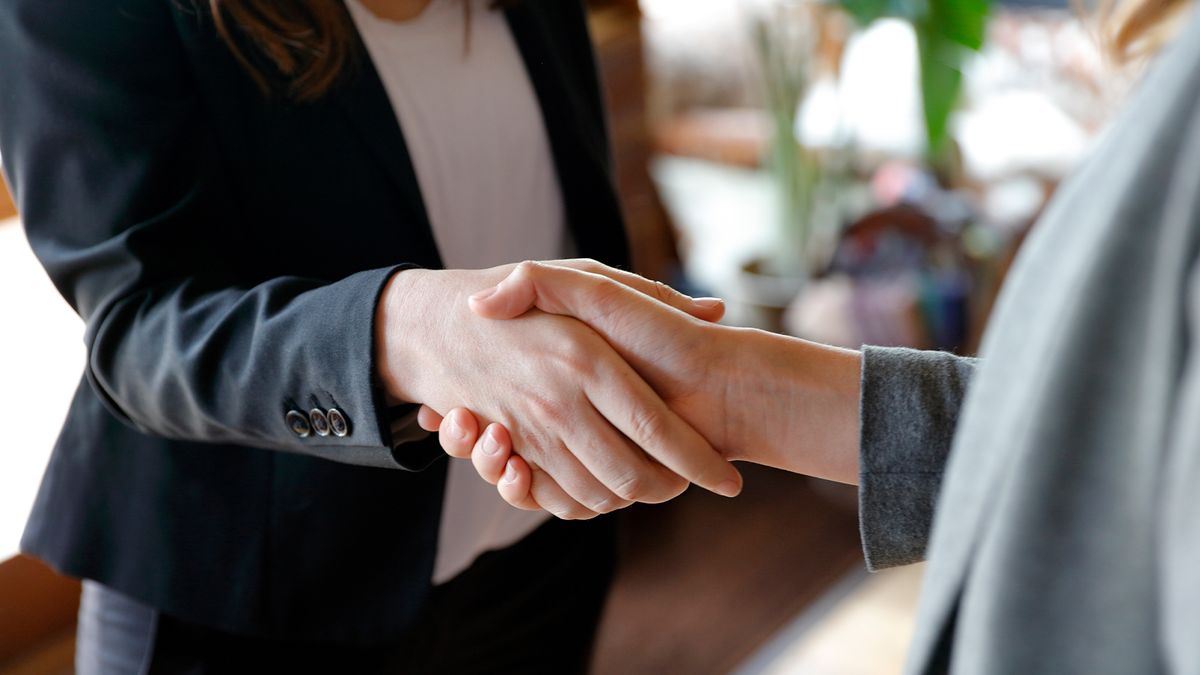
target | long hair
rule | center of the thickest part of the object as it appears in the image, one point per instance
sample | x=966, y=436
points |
x=297, y=48
x=304, y=46
x=1135, y=29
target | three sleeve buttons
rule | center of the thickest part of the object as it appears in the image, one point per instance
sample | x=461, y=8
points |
x=320, y=422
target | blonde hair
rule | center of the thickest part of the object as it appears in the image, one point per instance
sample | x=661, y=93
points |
x=1131, y=30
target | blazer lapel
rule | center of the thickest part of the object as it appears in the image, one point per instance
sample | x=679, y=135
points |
x=574, y=120
x=365, y=103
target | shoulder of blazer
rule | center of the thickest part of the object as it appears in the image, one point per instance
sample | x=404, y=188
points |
x=110, y=54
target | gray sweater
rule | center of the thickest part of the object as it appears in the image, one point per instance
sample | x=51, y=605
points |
x=1057, y=498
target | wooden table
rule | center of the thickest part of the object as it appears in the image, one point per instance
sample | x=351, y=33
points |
x=7, y=208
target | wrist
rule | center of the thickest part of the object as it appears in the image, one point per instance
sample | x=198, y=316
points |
x=804, y=418
x=399, y=317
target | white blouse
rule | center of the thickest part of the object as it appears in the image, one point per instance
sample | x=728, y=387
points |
x=478, y=145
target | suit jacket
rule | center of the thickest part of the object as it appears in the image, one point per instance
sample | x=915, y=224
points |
x=1053, y=483
x=226, y=251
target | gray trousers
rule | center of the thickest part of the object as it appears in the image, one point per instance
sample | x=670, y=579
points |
x=115, y=633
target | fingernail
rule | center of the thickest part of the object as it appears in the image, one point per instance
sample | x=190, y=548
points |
x=709, y=303
x=510, y=473
x=484, y=294
x=459, y=432
x=490, y=445
x=728, y=488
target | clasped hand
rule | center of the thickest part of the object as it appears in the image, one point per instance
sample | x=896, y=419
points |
x=595, y=388
x=592, y=435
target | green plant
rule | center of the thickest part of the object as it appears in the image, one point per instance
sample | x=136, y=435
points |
x=783, y=45
x=947, y=31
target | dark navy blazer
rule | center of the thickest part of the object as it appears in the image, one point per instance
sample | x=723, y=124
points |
x=226, y=250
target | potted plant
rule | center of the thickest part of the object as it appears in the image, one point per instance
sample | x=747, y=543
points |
x=785, y=36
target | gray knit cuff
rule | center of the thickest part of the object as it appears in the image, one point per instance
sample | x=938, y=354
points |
x=908, y=412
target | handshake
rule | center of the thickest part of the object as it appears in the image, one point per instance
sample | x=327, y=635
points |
x=581, y=389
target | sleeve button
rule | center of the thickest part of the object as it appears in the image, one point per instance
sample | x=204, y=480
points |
x=298, y=423
x=338, y=423
x=319, y=422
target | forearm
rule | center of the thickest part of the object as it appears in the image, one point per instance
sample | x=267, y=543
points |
x=125, y=203
x=794, y=405
x=230, y=364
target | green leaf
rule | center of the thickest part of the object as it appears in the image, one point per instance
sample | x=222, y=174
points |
x=941, y=82
x=963, y=21
x=945, y=29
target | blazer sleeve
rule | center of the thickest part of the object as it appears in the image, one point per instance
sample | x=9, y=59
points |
x=105, y=144
x=1179, y=528
x=909, y=408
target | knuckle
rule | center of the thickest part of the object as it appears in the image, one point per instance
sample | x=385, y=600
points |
x=546, y=408
x=607, y=298
x=672, y=487
x=568, y=512
x=589, y=264
x=607, y=504
x=582, y=513
x=647, y=423
x=577, y=358
x=525, y=269
x=663, y=292
x=631, y=487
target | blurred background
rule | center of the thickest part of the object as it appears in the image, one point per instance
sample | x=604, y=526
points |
x=850, y=172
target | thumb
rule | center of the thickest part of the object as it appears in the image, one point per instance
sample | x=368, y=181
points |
x=629, y=320
x=552, y=289
x=511, y=298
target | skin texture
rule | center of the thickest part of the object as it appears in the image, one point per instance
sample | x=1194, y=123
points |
x=755, y=396
x=594, y=436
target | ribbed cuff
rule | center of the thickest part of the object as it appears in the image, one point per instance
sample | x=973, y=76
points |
x=908, y=411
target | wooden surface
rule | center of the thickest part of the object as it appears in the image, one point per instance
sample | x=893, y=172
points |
x=704, y=581
x=55, y=656
x=7, y=209
x=37, y=614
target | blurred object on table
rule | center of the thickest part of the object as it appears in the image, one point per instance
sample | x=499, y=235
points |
x=785, y=40
x=901, y=275
x=1034, y=99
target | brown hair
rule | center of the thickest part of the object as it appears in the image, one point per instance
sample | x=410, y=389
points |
x=1134, y=29
x=310, y=43
x=299, y=48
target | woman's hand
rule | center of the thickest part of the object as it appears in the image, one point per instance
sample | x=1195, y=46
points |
x=594, y=435
x=756, y=396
